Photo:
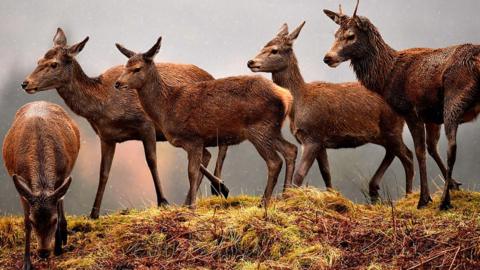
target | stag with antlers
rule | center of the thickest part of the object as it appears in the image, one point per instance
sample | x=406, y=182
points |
x=424, y=85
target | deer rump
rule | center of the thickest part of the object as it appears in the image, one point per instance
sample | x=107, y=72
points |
x=216, y=110
x=450, y=68
x=346, y=116
x=42, y=136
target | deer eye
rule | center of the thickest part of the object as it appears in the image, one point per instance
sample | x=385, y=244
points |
x=54, y=65
x=135, y=70
x=274, y=51
x=350, y=37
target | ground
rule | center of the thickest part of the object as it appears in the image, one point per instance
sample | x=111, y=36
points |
x=305, y=229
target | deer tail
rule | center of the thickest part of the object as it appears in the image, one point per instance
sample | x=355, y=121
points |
x=286, y=98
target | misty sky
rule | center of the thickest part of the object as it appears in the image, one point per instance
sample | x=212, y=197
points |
x=220, y=37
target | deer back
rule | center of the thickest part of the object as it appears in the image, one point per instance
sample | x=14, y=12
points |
x=41, y=145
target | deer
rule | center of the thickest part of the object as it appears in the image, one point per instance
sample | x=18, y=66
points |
x=425, y=86
x=228, y=110
x=354, y=116
x=115, y=116
x=39, y=152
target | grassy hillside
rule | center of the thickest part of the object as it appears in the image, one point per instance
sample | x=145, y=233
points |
x=308, y=229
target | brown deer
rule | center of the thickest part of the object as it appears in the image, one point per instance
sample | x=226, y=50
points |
x=425, y=86
x=39, y=152
x=115, y=116
x=333, y=115
x=228, y=110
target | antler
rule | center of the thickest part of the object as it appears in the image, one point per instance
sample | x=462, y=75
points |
x=340, y=11
x=355, y=11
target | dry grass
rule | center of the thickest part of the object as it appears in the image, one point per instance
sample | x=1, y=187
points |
x=307, y=229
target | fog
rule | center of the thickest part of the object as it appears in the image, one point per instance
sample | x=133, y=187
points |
x=218, y=36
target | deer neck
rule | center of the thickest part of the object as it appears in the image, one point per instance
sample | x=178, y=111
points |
x=154, y=96
x=374, y=68
x=84, y=95
x=290, y=78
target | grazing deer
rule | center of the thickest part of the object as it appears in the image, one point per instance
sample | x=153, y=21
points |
x=333, y=115
x=426, y=86
x=199, y=115
x=39, y=152
x=115, y=116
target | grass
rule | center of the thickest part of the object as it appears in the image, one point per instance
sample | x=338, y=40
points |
x=305, y=229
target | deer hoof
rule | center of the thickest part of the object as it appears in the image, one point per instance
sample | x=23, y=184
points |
x=27, y=265
x=220, y=190
x=94, y=214
x=454, y=184
x=224, y=189
x=163, y=202
x=445, y=205
x=374, y=199
x=58, y=250
x=423, y=202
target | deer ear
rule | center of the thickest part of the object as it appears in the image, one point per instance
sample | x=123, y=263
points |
x=22, y=188
x=337, y=18
x=59, y=39
x=150, y=54
x=294, y=34
x=62, y=190
x=283, y=30
x=361, y=22
x=75, y=49
x=124, y=50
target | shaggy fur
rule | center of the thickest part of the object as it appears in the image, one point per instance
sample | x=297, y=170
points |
x=39, y=151
x=333, y=115
x=423, y=85
x=115, y=116
x=226, y=111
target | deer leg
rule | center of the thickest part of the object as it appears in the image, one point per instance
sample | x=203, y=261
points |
x=149, y=146
x=451, y=127
x=27, y=263
x=374, y=185
x=266, y=149
x=433, y=136
x=108, y=150
x=195, y=157
x=309, y=153
x=322, y=160
x=218, y=189
x=289, y=153
x=417, y=129
x=406, y=157
x=222, y=153
x=61, y=235
x=205, y=161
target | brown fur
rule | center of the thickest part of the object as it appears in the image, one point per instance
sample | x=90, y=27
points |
x=426, y=86
x=39, y=151
x=115, y=116
x=333, y=115
x=226, y=111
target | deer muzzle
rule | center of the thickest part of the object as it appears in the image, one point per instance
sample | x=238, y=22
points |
x=332, y=60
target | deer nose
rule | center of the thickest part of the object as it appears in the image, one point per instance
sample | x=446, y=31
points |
x=44, y=253
x=250, y=63
x=117, y=85
x=328, y=60
x=24, y=84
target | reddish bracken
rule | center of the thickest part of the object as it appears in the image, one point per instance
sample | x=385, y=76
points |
x=39, y=152
x=423, y=85
x=115, y=116
x=226, y=111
